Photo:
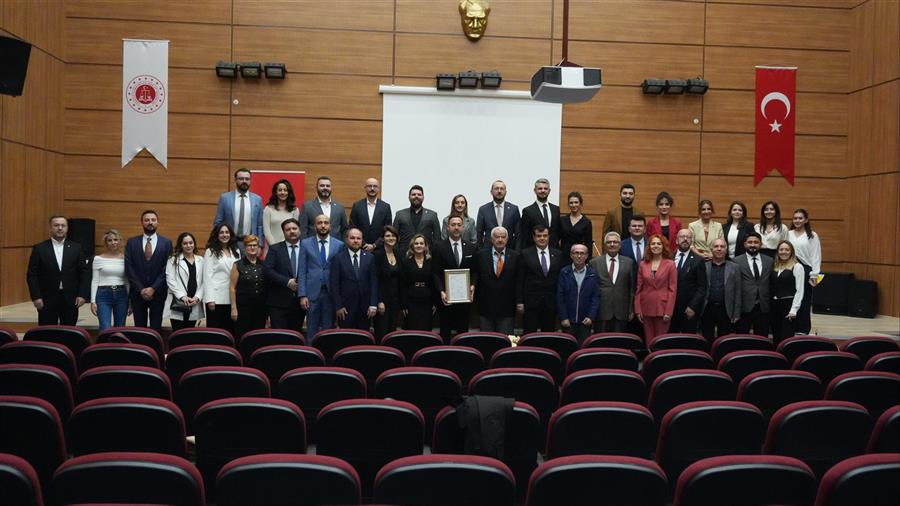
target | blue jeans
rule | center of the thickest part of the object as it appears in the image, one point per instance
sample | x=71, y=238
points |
x=112, y=304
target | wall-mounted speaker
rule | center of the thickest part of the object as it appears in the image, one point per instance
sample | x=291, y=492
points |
x=14, y=65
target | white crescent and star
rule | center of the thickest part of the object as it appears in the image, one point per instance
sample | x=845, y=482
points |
x=779, y=97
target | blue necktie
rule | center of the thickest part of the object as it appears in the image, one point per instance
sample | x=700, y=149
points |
x=294, y=260
x=322, y=257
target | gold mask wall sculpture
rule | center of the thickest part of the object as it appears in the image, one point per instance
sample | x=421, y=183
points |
x=474, y=16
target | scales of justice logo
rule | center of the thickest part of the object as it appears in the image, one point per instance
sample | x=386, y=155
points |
x=145, y=94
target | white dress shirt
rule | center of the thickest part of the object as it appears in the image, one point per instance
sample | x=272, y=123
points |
x=326, y=208
x=799, y=282
x=681, y=256
x=58, y=252
x=370, y=208
x=154, y=239
x=633, y=244
x=732, y=239
x=615, y=274
x=456, y=248
x=771, y=238
x=541, y=207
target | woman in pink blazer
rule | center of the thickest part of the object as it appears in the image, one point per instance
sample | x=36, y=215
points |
x=664, y=223
x=657, y=283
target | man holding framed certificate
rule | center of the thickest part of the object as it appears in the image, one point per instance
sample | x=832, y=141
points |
x=454, y=258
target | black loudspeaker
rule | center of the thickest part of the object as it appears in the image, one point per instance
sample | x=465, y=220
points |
x=82, y=231
x=831, y=296
x=863, y=299
x=14, y=65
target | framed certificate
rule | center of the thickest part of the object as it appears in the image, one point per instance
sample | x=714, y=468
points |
x=456, y=284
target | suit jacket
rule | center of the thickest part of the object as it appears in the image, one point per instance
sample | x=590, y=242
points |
x=312, y=208
x=312, y=273
x=442, y=255
x=429, y=226
x=141, y=273
x=496, y=296
x=615, y=298
x=741, y=236
x=653, y=227
x=531, y=216
x=532, y=284
x=691, y=284
x=177, y=277
x=225, y=213
x=732, y=288
x=359, y=218
x=613, y=220
x=487, y=220
x=715, y=232
x=655, y=294
x=354, y=290
x=573, y=305
x=44, y=274
x=628, y=249
x=753, y=290
x=277, y=270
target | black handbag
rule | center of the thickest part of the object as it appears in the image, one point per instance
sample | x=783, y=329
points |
x=178, y=304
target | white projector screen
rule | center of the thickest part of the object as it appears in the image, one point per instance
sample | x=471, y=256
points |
x=462, y=141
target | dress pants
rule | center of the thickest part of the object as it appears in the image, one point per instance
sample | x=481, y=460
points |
x=290, y=317
x=321, y=313
x=182, y=324
x=502, y=324
x=58, y=311
x=612, y=325
x=357, y=318
x=454, y=318
x=803, y=322
x=654, y=326
x=418, y=314
x=755, y=321
x=252, y=314
x=579, y=331
x=220, y=318
x=681, y=323
x=154, y=308
x=715, y=321
x=540, y=313
x=782, y=328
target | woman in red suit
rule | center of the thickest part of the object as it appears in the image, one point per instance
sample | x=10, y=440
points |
x=657, y=283
x=664, y=223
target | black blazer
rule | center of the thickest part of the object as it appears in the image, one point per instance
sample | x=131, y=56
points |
x=532, y=284
x=277, y=270
x=44, y=274
x=741, y=237
x=389, y=277
x=531, y=216
x=691, y=284
x=496, y=296
x=442, y=254
x=141, y=273
x=359, y=218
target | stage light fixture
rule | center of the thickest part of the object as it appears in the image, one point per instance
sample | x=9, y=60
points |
x=653, y=86
x=469, y=79
x=491, y=79
x=698, y=86
x=275, y=70
x=675, y=86
x=445, y=82
x=251, y=70
x=226, y=69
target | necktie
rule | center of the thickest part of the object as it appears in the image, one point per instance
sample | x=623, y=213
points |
x=680, y=260
x=546, y=215
x=322, y=256
x=240, y=226
x=499, y=263
x=544, y=266
x=638, y=252
x=456, y=254
x=294, y=260
x=356, y=262
x=612, y=268
x=499, y=209
x=148, y=250
x=755, y=269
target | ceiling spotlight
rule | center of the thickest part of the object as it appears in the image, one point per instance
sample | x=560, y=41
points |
x=653, y=86
x=469, y=79
x=491, y=79
x=251, y=70
x=445, y=82
x=697, y=85
x=275, y=70
x=675, y=86
x=226, y=69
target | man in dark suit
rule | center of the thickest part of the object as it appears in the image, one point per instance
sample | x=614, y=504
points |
x=415, y=219
x=635, y=245
x=722, y=305
x=615, y=274
x=353, y=283
x=323, y=204
x=539, y=266
x=283, y=264
x=145, y=268
x=497, y=213
x=540, y=212
x=691, y=285
x=370, y=215
x=453, y=253
x=317, y=251
x=755, y=270
x=59, y=280
x=495, y=280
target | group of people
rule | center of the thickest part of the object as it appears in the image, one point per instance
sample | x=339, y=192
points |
x=289, y=263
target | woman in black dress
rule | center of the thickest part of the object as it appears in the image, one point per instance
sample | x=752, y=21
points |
x=417, y=292
x=787, y=286
x=575, y=228
x=248, y=289
x=389, y=273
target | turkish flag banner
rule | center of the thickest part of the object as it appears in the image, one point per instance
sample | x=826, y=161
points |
x=776, y=119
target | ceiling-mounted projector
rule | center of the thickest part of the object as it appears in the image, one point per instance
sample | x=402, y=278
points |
x=565, y=85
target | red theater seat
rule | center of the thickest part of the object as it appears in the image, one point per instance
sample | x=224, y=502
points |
x=602, y=428
x=869, y=480
x=746, y=480
x=445, y=480
x=132, y=424
x=313, y=388
x=19, y=482
x=589, y=480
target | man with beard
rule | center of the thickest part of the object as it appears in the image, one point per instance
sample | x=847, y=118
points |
x=317, y=252
x=415, y=219
x=497, y=213
x=453, y=253
x=539, y=266
x=370, y=215
x=691, y=285
x=540, y=212
x=353, y=284
x=241, y=209
x=618, y=218
x=145, y=268
x=323, y=204
x=282, y=270
x=59, y=280
x=755, y=270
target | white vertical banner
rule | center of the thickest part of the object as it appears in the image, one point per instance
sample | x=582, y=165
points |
x=145, y=99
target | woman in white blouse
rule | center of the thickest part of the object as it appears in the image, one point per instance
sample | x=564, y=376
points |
x=109, y=286
x=770, y=228
x=221, y=253
x=787, y=288
x=281, y=206
x=809, y=252
x=184, y=277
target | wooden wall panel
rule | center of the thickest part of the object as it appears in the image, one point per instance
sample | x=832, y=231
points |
x=657, y=22
x=26, y=203
x=767, y=26
x=628, y=108
x=630, y=150
x=14, y=265
x=833, y=4
x=734, y=111
x=860, y=132
x=37, y=22
x=823, y=198
x=126, y=217
x=603, y=192
x=887, y=35
x=197, y=11
x=344, y=15
x=630, y=64
x=323, y=51
x=733, y=68
x=312, y=96
x=862, y=46
x=331, y=141
x=886, y=126
x=424, y=55
x=883, y=197
x=508, y=18
x=26, y=118
x=814, y=156
x=348, y=181
x=858, y=232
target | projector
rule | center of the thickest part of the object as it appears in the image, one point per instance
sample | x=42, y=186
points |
x=565, y=85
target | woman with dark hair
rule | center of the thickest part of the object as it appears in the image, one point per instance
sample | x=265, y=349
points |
x=808, y=249
x=705, y=230
x=418, y=296
x=184, y=277
x=221, y=253
x=787, y=289
x=657, y=284
x=459, y=206
x=389, y=274
x=736, y=228
x=247, y=288
x=281, y=206
x=576, y=228
x=664, y=223
x=770, y=228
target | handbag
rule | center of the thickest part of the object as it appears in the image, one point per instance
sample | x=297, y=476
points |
x=178, y=304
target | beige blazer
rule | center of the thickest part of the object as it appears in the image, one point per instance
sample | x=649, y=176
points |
x=703, y=242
